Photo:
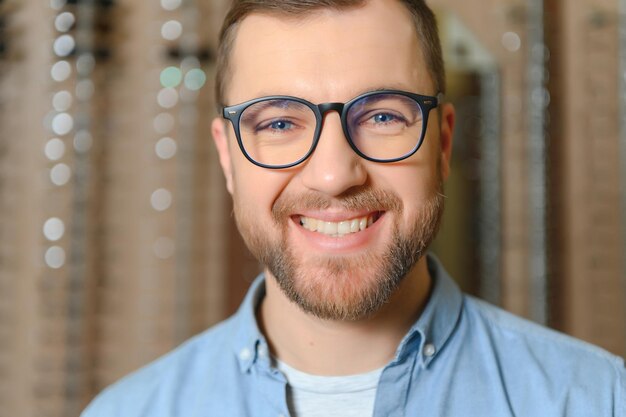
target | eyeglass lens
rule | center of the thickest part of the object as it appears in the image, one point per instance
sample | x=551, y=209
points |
x=282, y=131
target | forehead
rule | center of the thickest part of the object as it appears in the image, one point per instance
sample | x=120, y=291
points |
x=327, y=55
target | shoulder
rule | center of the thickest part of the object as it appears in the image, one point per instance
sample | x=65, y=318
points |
x=514, y=329
x=158, y=387
x=204, y=376
x=532, y=361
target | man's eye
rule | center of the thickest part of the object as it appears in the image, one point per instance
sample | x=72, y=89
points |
x=280, y=125
x=384, y=118
x=277, y=125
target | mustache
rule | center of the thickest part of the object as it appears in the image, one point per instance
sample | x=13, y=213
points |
x=361, y=198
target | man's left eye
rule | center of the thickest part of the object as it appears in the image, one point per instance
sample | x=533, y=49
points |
x=384, y=118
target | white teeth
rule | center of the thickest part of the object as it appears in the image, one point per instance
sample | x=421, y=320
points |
x=343, y=228
x=337, y=229
x=330, y=228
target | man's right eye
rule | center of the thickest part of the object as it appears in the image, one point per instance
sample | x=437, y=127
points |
x=276, y=125
x=281, y=125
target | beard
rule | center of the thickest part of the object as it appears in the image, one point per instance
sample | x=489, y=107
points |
x=343, y=287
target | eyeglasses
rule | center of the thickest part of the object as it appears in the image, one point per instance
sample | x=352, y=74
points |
x=281, y=131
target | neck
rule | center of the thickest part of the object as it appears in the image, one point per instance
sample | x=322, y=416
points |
x=327, y=347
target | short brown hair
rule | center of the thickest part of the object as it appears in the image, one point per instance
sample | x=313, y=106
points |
x=423, y=17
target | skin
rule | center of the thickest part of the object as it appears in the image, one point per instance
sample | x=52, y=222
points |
x=333, y=56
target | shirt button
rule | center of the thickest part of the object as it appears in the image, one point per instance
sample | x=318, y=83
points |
x=429, y=350
x=262, y=351
x=245, y=354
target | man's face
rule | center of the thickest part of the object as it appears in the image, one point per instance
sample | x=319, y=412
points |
x=333, y=56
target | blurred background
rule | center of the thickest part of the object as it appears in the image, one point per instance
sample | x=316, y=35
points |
x=116, y=239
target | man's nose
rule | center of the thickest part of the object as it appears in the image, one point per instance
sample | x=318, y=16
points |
x=334, y=167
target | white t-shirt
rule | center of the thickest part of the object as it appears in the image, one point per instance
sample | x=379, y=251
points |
x=329, y=396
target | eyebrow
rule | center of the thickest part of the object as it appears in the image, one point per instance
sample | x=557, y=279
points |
x=382, y=88
x=278, y=102
x=275, y=103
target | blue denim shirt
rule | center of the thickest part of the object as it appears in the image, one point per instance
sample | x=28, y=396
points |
x=462, y=358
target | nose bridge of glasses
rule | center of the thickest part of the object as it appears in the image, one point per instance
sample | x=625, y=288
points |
x=326, y=107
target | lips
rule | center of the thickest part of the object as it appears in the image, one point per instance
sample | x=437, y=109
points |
x=339, y=228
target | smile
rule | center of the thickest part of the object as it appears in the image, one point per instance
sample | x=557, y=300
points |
x=341, y=228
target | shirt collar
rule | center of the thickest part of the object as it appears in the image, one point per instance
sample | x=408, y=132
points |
x=427, y=336
x=437, y=322
x=249, y=342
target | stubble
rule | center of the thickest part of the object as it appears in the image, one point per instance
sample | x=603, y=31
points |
x=343, y=287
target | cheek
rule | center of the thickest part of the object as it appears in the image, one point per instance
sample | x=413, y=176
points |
x=414, y=182
x=256, y=189
x=415, y=189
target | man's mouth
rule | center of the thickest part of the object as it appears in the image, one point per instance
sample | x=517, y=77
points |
x=340, y=228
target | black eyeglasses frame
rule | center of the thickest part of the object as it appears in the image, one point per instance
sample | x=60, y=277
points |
x=426, y=104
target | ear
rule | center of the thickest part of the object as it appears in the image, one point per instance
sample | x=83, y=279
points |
x=446, y=132
x=220, y=137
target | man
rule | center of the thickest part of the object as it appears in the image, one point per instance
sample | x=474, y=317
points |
x=339, y=201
